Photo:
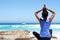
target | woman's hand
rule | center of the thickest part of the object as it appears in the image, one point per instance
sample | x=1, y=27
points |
x=44, y=8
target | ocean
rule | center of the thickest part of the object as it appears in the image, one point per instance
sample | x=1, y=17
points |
x=29, y=27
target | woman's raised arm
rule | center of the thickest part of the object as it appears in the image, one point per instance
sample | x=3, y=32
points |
x=52, y=16
x=37, y=16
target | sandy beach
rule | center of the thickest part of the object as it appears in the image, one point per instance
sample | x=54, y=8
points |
x=20, y=35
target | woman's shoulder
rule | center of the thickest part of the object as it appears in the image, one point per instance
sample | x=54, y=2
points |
x=48, y=20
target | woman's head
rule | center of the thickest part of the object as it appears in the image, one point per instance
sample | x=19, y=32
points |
x=45, y=14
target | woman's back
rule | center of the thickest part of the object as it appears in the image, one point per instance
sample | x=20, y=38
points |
x=45, y=25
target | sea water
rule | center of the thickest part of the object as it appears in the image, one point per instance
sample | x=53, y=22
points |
x=29, y=27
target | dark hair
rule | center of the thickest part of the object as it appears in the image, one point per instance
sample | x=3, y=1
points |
x=44, y=14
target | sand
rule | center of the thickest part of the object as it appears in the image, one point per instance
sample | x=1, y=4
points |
x=20, y=35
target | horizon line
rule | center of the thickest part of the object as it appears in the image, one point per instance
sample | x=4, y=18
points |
x=21, y=23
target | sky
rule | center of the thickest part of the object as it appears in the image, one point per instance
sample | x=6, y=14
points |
x=22, y=11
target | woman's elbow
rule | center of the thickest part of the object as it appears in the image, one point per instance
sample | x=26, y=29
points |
x=54, y=13
x=35, y=13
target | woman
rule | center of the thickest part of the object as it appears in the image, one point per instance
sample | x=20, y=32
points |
x=44, y=23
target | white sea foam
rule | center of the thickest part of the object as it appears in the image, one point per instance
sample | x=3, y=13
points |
x=34, y=26
x=55, y=26
x=38, y=26
x=16, y=26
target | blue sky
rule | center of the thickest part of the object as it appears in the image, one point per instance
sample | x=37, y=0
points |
x=17, y=11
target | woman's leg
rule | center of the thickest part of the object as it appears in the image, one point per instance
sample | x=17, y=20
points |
x=44, y=38
x=36, y=35
x=50, y=32
x=40, y=38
